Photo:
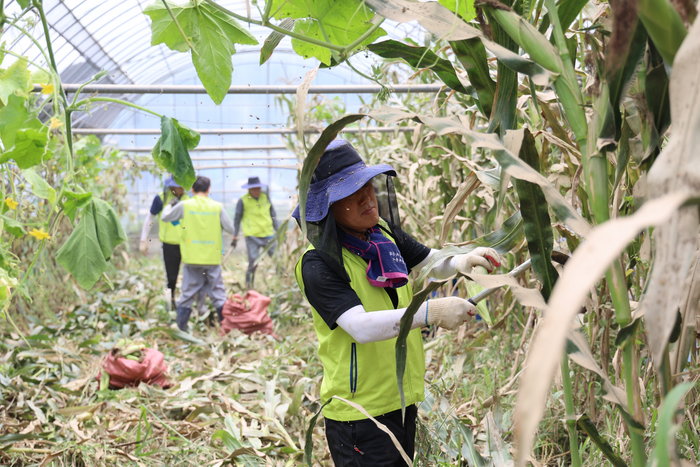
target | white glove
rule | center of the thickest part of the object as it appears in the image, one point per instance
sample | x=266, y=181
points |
x=143, y=247
x=449, y=312
x=481, y=256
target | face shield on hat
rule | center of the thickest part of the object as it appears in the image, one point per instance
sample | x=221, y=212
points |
x=341, y=173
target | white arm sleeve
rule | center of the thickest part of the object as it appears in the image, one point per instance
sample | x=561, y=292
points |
x=147, y=226
x=442, y=270
x=378, y=325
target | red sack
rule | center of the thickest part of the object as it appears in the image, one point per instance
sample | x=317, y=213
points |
x=124, y=372
x=250, y=318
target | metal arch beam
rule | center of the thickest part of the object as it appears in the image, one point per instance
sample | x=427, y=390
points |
x=261, y=89
x=233, y=131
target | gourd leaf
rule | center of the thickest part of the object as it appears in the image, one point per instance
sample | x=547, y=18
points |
x=339, y=22
x=74, y=202
x=30, y=147
x=211, y=34
x=40, y=187
x=13, y=227
x=464, y=8
x=15, y=79
x=12, y=118
x=86, y=252
x=170, y=151
x=537, y=223
x=420, y=57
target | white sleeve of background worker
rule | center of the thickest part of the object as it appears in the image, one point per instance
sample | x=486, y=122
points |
x=172, y=213
x=147, y=226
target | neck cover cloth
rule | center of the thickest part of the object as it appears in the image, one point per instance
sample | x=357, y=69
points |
x=386, y=265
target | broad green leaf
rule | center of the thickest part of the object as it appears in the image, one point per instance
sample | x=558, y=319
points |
x=170, y=151
x=664, y=25
x=274, y=39
x=40, y=187
x=212, y=48
x=420, y=57
x=464, y=8
x=40, y=77
x=30, y=147
x=538, y=225
x=74, y=202
x=212, y=35
x=6, y=283
x=15, y=80
x=339, y=22
x=471, y=53
x=86, y=252
x=13, y=117
x=88, y=146
x=81, y=255
x=109, y=229
x=13, y=227
x=24, y=3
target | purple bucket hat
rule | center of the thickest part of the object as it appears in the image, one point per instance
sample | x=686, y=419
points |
x=171, y=183
x=340, y=173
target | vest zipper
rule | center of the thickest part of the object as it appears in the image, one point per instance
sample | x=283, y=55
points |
x=353, y=369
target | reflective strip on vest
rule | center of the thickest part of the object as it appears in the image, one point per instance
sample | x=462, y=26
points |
x=256, y=221
x=170, y=232
x=201, y=235
x=366, y=373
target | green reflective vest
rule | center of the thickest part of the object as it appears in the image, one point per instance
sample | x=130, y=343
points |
x=170, y=232
x=256, y=221
x=201, y=231
x=366, y=373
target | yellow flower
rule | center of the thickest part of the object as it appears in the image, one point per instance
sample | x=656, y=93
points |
x=11, y=203
x=39, y=234
x=55, y=123
x=47, y=88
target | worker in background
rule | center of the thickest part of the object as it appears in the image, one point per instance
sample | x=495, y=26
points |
x=355, y=276
x=202, y=220
x=257, y=216
x=169, y=234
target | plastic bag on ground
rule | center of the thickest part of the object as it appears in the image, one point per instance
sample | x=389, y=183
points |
x=124, y=372
x=249, y=314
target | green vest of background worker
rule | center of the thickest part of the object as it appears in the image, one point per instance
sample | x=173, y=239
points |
x=168, y=232
x=255, y=214
x=358, y=299
x=202, y=221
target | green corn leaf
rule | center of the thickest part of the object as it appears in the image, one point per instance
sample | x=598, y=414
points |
x=40, y=187
x=664, y=26
x=538, y=225
x=656, y=90
x=666, y=425
x=309, y=436
x=420, y=57
x=623, y=155
x=471, y=53
x=446, y=25
x=584, y=423
x=274, y=39
x=314, y=155
x=339, y=22
x=171, y=151
x=86, y=252
x=567, y=10
x=211, y=36
x=16, y=80
x=621, y=69
x=75, y=201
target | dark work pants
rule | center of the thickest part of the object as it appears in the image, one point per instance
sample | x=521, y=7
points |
x=361, y=443
x=171, y=258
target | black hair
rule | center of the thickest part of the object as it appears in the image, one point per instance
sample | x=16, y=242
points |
x=201, y=185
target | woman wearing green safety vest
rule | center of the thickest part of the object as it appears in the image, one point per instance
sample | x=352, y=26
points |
x=168, y=232
x=257, y=216
x=355, y=276
x=202, y=220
